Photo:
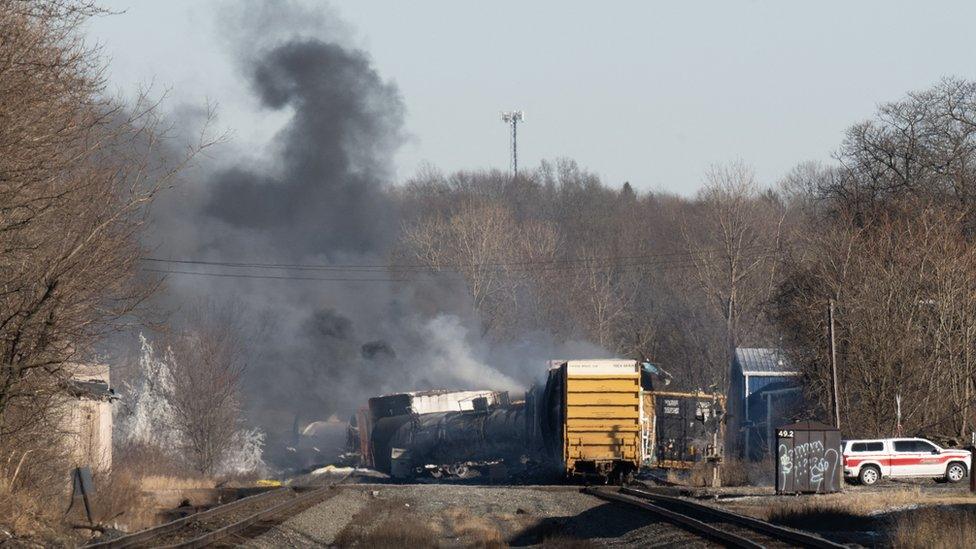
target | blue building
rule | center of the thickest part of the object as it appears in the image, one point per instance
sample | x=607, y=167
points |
x=764, y=390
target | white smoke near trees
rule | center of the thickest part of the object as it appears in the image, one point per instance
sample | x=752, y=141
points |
x=449, y=356
x=247, y=455
x=145, y=417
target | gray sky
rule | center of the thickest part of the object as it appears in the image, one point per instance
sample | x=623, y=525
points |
x=650, y=92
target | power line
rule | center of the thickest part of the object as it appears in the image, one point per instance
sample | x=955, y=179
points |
x=274, y=277
x=557, y=263
x=561, y=271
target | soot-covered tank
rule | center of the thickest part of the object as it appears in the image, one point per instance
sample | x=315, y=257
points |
x=451, y=442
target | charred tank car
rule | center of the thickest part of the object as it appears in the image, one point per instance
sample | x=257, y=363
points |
x=445, y=433
x=458, y=443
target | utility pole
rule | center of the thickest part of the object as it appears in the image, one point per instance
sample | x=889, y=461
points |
x=513, y=118
x=835, y=397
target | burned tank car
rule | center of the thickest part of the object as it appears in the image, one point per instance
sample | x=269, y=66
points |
x=404, y=445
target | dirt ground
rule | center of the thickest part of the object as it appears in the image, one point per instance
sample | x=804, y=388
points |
x=472, y=516
x=458, y=515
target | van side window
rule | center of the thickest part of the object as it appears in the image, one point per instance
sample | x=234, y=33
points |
x=905, y=446
x=867, y=447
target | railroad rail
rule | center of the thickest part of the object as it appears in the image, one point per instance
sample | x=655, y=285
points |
x=219, y=524
x=725, y=527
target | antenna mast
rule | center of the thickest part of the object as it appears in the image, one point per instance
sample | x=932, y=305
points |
x=513, y=118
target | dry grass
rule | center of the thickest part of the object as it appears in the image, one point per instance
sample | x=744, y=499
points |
x=390, y=523
x=116, y=494
x=936, y=528
x=175, y=482
x=119, y=501
x=854, y=504
x=142, y=457
x=26, y=514
x=170, y=473
x=843, y=511
x=738, y=473
x=676, y=476
x=734, y=472
x=124, y=495
x=20, y=510
x=387, y=523
x=395, y=532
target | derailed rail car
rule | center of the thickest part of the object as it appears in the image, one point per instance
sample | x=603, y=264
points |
x=451, y=442
x=584, y=421
x=397, y=408
x=681, y=429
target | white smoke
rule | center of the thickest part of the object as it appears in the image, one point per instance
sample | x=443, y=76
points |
x=146, y=417
x=247, y=455
x=449, y=356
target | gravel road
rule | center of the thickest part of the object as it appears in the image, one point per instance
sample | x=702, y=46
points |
x=462, y=515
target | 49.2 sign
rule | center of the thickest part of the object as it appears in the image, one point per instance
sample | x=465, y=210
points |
x=784, y=433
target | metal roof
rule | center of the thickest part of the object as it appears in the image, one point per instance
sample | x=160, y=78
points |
x=808, y=426
x=754, y=360
x=91, y=389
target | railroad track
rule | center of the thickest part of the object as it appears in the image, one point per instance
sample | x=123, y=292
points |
x=727, y=528
x=225, y=523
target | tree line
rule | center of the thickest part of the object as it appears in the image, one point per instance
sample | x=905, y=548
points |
x=885, y=230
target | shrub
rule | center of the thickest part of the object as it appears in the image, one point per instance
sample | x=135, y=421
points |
x=937, y=528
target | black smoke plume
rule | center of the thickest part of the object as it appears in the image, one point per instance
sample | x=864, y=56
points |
x=320, y=195
x=325, y=195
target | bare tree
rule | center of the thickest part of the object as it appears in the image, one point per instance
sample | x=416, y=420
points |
x=77, y=173
x=206, y=356
x=905, y=304
x=561, y=252
x=493, y=253
x=734, y=244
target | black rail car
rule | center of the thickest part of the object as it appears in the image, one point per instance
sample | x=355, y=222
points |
x=685, y=427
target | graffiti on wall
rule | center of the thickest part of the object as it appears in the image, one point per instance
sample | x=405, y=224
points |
x=808, y=466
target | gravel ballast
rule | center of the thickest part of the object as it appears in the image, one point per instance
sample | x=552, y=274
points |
x=449, y=515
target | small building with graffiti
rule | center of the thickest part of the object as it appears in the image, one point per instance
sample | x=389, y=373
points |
x=808, y=458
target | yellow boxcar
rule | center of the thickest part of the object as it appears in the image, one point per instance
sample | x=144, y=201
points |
x=601, y=418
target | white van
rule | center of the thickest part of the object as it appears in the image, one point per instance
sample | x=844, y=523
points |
x=868, y=461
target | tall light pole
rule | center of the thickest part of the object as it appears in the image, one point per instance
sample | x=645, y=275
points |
x=513, y=118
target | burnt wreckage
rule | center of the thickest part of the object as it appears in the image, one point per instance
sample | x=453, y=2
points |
x=591, y=418
x=443, y=433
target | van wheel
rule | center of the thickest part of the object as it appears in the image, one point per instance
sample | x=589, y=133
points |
x=869, y=475
x=955, y=472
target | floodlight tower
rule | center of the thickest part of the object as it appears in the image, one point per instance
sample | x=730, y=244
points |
x=513, y=118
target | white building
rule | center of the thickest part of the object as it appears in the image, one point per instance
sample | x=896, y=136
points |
x=88, y=418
